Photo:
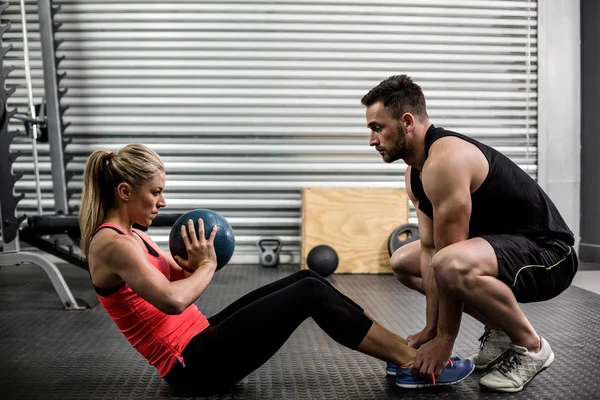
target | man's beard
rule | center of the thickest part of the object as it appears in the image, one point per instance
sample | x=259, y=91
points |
x=399, y=148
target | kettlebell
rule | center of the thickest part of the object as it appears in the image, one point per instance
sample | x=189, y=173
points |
x=268, y=251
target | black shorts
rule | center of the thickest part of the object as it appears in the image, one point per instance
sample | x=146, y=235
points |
x=534, y=269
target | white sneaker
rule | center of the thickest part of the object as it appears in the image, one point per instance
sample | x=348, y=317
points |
x=492, y=344
x=517, y=368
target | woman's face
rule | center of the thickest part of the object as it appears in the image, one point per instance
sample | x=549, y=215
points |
x=145, y=201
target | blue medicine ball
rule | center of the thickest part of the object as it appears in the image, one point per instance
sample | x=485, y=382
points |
x=224, y=240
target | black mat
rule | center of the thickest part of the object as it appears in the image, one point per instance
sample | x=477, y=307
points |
x=48, y=353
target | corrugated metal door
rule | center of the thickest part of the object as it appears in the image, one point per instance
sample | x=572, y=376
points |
x=249, y=101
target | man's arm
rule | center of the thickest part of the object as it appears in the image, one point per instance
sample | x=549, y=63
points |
x=447, y=183
x=427, y=253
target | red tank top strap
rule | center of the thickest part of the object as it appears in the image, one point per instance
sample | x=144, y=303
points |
x=146, y=238
x=110, y=225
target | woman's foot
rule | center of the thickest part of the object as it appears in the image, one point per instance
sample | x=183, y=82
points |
x=453, y=372
x=390, y=368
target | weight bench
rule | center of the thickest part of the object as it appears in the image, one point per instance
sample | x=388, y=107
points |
x=41, y=232
x=19, y=257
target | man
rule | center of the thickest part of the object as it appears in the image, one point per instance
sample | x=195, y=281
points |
x=490, y=238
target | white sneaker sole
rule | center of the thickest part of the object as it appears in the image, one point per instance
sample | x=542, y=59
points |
x=424, y=385
x=518, y=389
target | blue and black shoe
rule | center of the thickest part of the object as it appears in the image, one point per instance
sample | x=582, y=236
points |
x=390, y=369
x=453, y=372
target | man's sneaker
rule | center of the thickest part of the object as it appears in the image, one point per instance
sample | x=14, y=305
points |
x=517, y=368
x=453, y=372
x=492, y=344
x=390, y=368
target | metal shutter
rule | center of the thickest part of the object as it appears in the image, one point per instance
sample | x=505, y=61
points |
x=248, y=102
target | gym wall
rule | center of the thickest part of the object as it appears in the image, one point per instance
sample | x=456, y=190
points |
x=589, y=249
x=559, y=106
x=248, y=102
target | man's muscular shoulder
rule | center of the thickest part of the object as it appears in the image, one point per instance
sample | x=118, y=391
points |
x=454, y=160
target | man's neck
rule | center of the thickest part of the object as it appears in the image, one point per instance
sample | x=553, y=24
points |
x=417, y=156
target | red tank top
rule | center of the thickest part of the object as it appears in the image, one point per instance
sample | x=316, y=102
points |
x=157, y=336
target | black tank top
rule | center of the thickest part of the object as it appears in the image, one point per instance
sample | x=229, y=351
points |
x=509, y=201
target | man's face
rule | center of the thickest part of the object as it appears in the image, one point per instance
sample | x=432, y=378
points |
x=388, y=135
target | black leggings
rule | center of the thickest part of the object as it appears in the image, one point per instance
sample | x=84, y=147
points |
x=251, y=330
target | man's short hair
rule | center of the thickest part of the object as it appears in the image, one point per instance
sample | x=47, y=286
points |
x=399, y=95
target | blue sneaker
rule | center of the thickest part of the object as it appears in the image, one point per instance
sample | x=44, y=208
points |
x=390, y=369
x=453, y=372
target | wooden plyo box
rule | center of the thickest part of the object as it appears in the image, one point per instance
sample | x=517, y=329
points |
x=356, y=222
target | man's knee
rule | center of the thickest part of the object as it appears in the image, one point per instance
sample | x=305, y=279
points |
x=398, y=262
x=406, y=260
x=454, y=270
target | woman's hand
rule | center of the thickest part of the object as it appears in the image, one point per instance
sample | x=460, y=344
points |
x=201, y=251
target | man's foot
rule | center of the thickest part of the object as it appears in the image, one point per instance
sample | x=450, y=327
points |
x=492, y=344
x=390, y=368
x=453, y=372
x=517, y=368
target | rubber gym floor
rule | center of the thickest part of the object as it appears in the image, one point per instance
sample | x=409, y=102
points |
x=49, y=353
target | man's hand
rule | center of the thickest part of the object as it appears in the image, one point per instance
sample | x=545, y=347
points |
x=433, y=356
x=420, y=338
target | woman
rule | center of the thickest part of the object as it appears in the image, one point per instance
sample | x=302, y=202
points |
x=151, y=297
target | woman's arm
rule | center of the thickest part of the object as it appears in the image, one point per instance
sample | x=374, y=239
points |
x=122, y=257
x=177, y=273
